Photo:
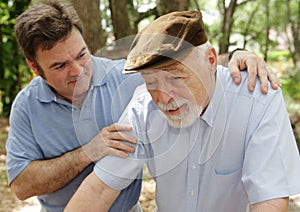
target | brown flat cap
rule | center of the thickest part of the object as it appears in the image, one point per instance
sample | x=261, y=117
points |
x=166, y=40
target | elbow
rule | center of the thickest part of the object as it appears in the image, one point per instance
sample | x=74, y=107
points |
x=21, y=197
x=20, y=192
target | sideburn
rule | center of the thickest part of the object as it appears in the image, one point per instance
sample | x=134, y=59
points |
x=40, y=70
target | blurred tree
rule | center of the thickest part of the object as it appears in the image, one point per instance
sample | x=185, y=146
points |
x=14, y=73
x=165, y=6
x=137, y=16
x=267, y=29
x=123, y=13
x=243, y=23
x=227, y=10
x=293, y=18
x=227, y=23
x=89, y=13
x=120, y=18
x=255, y=28
x=90, y=16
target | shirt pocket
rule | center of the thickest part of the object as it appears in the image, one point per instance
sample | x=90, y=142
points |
x=228, y=194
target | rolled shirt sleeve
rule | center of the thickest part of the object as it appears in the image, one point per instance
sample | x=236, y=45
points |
x=118, y=172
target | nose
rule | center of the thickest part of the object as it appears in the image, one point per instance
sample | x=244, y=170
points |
x=75, y=68
x=165, y=93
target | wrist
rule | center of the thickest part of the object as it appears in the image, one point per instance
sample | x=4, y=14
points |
x=83, y=158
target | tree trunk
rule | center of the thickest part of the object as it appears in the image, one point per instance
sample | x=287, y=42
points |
x=89, y=13
x=267, y=30
x=166, y=6
x=245, y=33
x=294, y=42
x=120, y=19
x=226, y=27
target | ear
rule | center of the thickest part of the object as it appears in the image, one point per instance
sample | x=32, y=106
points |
x=212, y=57
x=32, y=66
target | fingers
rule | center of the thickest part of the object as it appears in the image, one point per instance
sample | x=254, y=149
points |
x=119, y=136
x=111, y=140
x=275, y=82
x=118, y=153
x=116, y=141
x=118, y=127
x=116, y=132
x=235, y=73
x=116, y=144
x=263, y=77
x=256, y=67
x=252, y=73
x=118, y=148
x=266, y=74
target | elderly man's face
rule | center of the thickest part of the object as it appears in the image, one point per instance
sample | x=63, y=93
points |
x=180, y=93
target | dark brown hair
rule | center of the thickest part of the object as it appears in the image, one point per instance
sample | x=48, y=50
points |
x=45, y=24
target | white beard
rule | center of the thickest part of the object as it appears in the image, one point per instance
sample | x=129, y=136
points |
x=186, y=118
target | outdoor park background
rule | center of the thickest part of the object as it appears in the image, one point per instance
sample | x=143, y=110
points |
x=269, y=28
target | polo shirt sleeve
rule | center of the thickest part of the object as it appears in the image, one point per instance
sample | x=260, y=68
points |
x=271, y=165
x=116, y=172
x=20, y=146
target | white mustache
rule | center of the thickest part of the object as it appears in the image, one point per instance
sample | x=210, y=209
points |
x=172, y=105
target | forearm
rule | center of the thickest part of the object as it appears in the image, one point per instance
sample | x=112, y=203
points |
x=274, y=205
x=92, y=195
x=49, y=175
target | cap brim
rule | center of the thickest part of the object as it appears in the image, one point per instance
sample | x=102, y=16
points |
x=166, y=61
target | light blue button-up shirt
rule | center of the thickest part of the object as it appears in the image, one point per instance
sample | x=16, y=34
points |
x=239, y=152
x=43, y=126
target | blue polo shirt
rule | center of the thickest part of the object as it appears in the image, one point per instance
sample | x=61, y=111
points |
x=43, y=126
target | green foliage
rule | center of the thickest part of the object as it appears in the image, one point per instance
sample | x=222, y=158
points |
x=249, y=29
x=14, y=73
x=291, y=84
x=280, y=55
x=291, y=91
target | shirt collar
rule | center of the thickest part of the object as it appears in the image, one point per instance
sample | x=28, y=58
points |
x=44, y=92
x=100, y=72
x=215, y=117
x=209, y=116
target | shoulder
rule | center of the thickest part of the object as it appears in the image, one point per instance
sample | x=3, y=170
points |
x=230, y=87
x=140, y=105
x=141, y=101
x=108, y=64
x=26, y=101
x=111, y=70
x=29, y=92
x=108, y=67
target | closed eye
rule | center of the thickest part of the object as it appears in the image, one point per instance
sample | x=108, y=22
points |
x=59, y=67
x=82, y=55
x=151, y=85
x=175, y=80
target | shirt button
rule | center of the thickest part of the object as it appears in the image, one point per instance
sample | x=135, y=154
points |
x=192, y=193
x=194, y=166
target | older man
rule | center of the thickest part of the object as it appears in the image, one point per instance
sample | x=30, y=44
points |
x=209, y=144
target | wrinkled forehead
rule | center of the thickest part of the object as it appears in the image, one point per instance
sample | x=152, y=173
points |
x=172, y=69
x=185, y=66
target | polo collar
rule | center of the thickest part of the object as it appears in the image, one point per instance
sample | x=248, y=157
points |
x=43, y=90
x=100, y=72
